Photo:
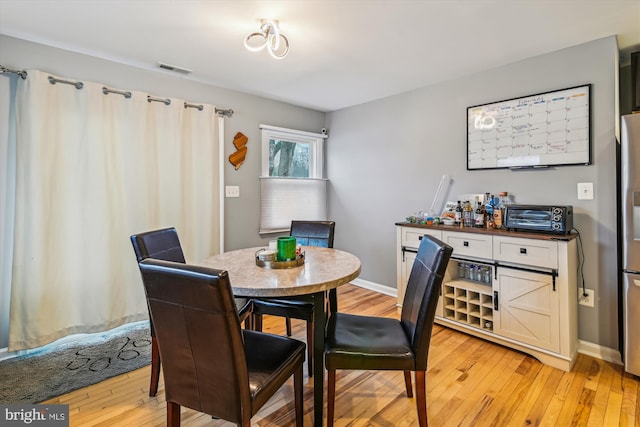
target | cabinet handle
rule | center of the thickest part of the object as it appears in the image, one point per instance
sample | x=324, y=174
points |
x=523, y=251
x=405, y=249
x=495, y=300
x=465, y=243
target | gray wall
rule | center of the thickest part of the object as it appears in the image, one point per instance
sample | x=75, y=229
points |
x=242, y=215
x=385, y=160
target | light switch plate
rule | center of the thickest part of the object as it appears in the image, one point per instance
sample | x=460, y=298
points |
x=585, y=191
x=232, y=191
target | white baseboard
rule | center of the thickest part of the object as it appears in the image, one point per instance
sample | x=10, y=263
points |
x=376, y=287
x=584, y=347
x=600, y=352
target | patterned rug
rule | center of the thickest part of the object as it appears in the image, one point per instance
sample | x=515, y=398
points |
x=60, y=369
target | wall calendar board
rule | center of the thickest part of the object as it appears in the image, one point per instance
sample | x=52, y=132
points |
x=536, y=131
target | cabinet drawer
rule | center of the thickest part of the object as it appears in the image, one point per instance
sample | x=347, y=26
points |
x=469, y=244
x=411, y=236
x=539, y=253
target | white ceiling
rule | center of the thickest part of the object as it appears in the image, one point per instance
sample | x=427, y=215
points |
x=343, y=52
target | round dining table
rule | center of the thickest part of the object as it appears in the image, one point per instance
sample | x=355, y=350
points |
x=323, y=269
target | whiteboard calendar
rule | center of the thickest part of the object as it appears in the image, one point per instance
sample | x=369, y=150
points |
x=542, y=130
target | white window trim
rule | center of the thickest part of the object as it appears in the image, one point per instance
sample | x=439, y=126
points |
x=316, y=140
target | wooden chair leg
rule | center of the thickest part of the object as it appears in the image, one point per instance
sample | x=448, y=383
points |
x=155, y=367
x=288, y=326
x=247, y=318
x=331, y=397
x=173, y=414
x=298, y=396
x=310, y=347
x=421, y=398
x=407, y=383
x=257, y=322
x=333, y=300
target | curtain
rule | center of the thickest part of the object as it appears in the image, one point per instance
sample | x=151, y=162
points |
x=93, y=169
x=7, y=196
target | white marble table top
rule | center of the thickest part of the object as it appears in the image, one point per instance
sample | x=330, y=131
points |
x=323, y=269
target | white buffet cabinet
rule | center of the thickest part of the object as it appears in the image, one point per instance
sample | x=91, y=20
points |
x=516, y=289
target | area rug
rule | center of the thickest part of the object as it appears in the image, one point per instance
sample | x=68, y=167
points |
x=60, y=369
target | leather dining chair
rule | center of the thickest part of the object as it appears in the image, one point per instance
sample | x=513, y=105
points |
x=210, y=363
x=164, y=244
x=376, y=343
x=307, y=233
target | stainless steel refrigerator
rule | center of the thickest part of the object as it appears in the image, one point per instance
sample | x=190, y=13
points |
x=630, y=239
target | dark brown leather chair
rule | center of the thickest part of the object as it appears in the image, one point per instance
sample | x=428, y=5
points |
x=210, y=364
x=307, y=233
x=375, y=343
x=164, y=244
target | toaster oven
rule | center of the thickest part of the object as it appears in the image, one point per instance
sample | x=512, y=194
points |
x=539, y=218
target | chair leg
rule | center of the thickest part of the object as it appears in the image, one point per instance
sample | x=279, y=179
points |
x=407, y=383
x=173, y=414
x=421, y=398
x=155, y=367
x=247, y=318
x=331, y=397
x=333, y=300
x=257, y=322
x=298, y=396
x=310, y=347
x=288, y=326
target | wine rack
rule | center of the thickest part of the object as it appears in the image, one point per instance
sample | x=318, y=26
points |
x=468, y=296
x=468, y=303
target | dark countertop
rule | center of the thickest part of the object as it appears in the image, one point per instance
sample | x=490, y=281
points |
x=493, y=231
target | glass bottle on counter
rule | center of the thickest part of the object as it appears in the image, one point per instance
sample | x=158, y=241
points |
x=457, y=218
x=467, y=214
x=488, y=209
x=499, y=211
x=479, y=216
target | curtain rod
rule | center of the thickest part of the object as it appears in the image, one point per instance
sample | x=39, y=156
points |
x=79, y=85
x=228, y=112
x=21, y=73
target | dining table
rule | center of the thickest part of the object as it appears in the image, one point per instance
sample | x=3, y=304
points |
x=321, y=270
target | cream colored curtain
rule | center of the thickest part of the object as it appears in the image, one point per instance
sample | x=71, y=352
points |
x=7, y=197
x=92, y=169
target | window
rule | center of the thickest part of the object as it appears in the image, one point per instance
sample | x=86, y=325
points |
x=292, y=184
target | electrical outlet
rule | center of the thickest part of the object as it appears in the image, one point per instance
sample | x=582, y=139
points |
x=588, y=300
x=232, y=191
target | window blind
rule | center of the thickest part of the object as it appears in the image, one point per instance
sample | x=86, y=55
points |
x=287, y=199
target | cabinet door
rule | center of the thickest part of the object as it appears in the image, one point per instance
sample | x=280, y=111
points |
x=527, y=308
x=407, y=264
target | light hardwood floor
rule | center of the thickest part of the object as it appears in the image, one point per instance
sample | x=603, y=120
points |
x=470, y=382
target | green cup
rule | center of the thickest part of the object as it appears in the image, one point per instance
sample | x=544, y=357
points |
x=286, y=248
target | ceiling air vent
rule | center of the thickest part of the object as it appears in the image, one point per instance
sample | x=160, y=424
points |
x=174, y=68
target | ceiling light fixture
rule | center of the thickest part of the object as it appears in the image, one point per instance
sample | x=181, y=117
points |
x=270, y=37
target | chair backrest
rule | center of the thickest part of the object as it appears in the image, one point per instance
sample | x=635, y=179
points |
x=313, y=233
x=199, y=336
x=421, y=295
x=160, y=244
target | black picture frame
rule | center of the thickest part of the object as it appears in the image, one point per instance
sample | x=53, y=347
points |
x=542, y=130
